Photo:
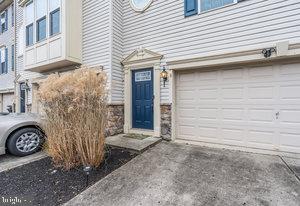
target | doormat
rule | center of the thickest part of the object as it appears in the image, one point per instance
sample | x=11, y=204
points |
x=136, y=136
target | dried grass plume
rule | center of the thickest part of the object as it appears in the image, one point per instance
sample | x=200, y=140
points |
x=75, y=107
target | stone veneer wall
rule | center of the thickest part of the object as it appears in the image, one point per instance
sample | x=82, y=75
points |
x=166, y=121
x=115, y=123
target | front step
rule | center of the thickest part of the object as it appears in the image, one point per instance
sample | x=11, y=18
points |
x=136, y=142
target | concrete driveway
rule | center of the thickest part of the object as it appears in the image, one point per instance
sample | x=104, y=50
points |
x=171, y=174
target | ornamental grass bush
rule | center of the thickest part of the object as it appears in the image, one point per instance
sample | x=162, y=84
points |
x=75, y=109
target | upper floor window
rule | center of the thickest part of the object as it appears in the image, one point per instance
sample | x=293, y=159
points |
x=192, y=7
x=37, y=13
x=4, y=21
x=29, y=35
x=41, y=29
x=29, y=19
x=54, y=17
x=12, y=15
x=55, y=22
x=3, y=60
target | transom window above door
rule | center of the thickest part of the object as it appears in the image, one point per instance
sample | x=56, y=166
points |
x=192, y=7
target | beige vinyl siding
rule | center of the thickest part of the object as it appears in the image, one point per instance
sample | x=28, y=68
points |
x=117, y=51
x=7, y=40
x=243, y=26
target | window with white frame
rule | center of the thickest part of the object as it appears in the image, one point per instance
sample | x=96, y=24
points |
x=42, y=18
x=192, y=7
x=54, y=17
x=4, y=21
x=12, y=15
x=29, y=19
x=3, y=60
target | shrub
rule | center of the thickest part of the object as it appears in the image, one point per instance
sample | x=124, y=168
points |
x=75, y=108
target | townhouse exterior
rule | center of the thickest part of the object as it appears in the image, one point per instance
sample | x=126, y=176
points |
x=233, y=66
x=7, y=55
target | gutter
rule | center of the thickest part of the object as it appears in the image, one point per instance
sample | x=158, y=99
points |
x=15, y=55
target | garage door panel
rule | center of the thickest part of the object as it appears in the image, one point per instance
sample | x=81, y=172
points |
x=207, y=113
x=186, y=131
x=232, y=93
x=289, y=94
x=261, y=93
x=261, y=137
x=289, y=118
x=261, y=115
x=289, y=142
x=235, y=114
x=233, y=135
x=258, y=73
x=289, y=71
x=208, y=94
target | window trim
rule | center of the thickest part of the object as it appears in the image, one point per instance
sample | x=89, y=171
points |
x=26, y=39
x=37, y=29
x=51, y=34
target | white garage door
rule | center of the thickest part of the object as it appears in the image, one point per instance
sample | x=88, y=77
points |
x=246, y=107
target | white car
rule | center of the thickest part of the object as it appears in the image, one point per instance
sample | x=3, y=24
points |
x=20, y=134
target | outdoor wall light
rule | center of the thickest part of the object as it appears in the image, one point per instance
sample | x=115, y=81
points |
x=268, y=52
x=25, y=86
x=164, y=75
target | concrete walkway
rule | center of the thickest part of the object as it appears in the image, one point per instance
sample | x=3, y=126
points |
x=171, y=174
x=8, y=162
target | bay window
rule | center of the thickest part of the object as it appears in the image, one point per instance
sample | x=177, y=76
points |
x=42, y=18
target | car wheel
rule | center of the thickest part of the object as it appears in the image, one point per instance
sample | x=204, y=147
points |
x=25, y=141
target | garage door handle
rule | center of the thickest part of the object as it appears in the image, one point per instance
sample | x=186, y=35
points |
x=277, y=115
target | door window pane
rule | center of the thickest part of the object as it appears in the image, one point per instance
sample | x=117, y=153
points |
x=55, y=22
x=41, y=29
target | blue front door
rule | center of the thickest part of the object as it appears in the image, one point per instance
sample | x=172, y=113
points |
x=142, y=99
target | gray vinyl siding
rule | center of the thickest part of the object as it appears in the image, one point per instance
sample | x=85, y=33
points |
x=96, y=43
x=117, y=51
x=7, y=40
x=247, y=25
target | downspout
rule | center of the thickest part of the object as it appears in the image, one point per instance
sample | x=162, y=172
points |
x=15, y=55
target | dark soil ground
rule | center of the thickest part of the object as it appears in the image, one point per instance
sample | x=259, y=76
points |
x=43, y=184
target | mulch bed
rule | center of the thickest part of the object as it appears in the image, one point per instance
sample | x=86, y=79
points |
x=43, y=184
